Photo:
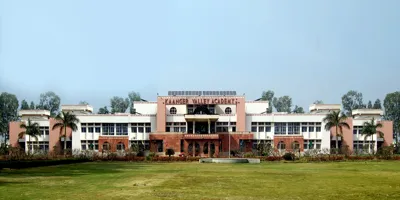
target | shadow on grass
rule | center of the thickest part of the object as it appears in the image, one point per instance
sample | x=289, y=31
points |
x=71, y=170
x=7, y=183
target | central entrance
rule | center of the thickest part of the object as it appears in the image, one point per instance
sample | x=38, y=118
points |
x=202, y=148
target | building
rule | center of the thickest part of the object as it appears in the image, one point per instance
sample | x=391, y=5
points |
x=200, y=122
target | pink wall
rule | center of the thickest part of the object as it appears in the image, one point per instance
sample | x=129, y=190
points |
x=54, y=136
x=387, y=130
x=14, y=131
x=241, y=115
x=161, y=115
x=347, y=134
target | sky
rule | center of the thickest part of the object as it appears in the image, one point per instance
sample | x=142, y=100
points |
x=93, y=50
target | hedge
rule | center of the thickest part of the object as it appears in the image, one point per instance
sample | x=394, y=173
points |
x=15, y=164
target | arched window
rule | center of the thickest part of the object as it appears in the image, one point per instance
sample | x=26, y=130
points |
x=281, y=145
x=120, y=146
x=172, y=111
x=106, y=146
x=295, y=145
x=228, y=110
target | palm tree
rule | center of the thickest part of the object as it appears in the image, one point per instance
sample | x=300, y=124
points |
x=370, y=129
x=31, y=129
x=337, y=120
x=65, y=120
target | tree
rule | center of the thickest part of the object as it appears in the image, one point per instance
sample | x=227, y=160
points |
x=170, y=152
x=83, y=103
x=66, y=120
x=119, y=104
x=337, y=120
x=283, y=104
x=103, y=110
x=377, y=104
x=369, y=105
x=298, y=109
x=352, y=100
x=318, y=102
x=370, y=129
x=31, y=129
x=133, y=96
x=268, y=96
x=32, y=106
x=24, y=105
x=392, y=111
x=49, y=101
x=8, y=112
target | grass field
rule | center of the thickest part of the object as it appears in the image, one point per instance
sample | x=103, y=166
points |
x=122, y=180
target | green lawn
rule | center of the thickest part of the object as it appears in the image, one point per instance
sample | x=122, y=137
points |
x=122, y=180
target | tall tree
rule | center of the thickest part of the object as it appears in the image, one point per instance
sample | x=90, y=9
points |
x=337, y=120
x=369, y=105
x=32, y=106
x=8, y=112
x=65, y=120
x=31, y=129
x=119, y=104
x=283, y=104
x=318, y=102
x=103, y=110
x=392, y=111
x=24, y=105
x=49, y=101
x=298, y=109
x=370, y=129
x=133, y=96
x=268, y=96
x=377, y=104
x=83, y=103
x=352, y=100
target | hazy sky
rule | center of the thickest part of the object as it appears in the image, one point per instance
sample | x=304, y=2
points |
x=93, y=50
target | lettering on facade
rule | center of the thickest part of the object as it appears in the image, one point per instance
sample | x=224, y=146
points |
x=185, y=101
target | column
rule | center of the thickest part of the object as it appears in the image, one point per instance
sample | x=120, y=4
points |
x=209, y=149
x=208, y=126
x=186, y=147
x=216, y=144
x=194, y=149
x=187, y=128
x=201, y=149
x=194, y=125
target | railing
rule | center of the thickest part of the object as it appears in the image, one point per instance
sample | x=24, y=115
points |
x=201, y=136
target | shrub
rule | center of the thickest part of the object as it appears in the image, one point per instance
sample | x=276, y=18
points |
x=140, y=154
x=289, y=156
x=170, y=152
x=385, y=152
x=249, y=155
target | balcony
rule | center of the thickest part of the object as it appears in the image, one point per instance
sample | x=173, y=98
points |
x=197, y=117
x=201, y=136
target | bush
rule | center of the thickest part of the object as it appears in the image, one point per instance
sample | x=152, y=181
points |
x=140, y=154
x=385, y=152
x=38, y=163
x=249, y=155
x=170, y=152
x=289, y=156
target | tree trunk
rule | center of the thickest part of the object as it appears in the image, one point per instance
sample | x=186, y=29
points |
x=337, y=140
x=65, y=140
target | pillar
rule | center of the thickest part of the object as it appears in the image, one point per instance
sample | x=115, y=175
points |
x=194, y=149
x=216, y=144
x=186, y=147
x=208, y=126
x=194, y=126
x=209, y=149
x=201, y=153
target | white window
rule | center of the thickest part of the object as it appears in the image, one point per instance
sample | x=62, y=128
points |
x=224, y=126
x=122, y=128
x=318, y=127
x=83, y=127
x=280, y=128
x=281, y=145
x=44, y=130
x=120, y=146
x=35, y=146
x=228, y=110
x=293, y=128
x=97, y=128
x=176, y=127
x=89, y=144
x=108, y=129
x=172, y=111
x=312, y=144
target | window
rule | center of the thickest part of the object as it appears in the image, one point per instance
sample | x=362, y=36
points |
x=172, y=111
x=281, y=145
x=120, y=146
x=280, y=128
x=122, y=129
x=108, y=129
x=228, y=110
x=190, y=109
x=90, y=129
x=106, y=146
x=97, y=128
x=224, y=126
x=261, y=129
x=90, y=144
x=311, y=126
x=83, y=129
x=160, y=146
x=295, y=145
x=318, y=127
x=254, y=129
x=34, y=146
x=44, y=130
x=176, y=127
x=293, y=128
x=312, y=144
x=142, y=144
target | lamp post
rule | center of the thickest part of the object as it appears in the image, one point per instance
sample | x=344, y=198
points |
x=229, y=135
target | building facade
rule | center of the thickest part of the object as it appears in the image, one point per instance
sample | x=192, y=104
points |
x=200, y=123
